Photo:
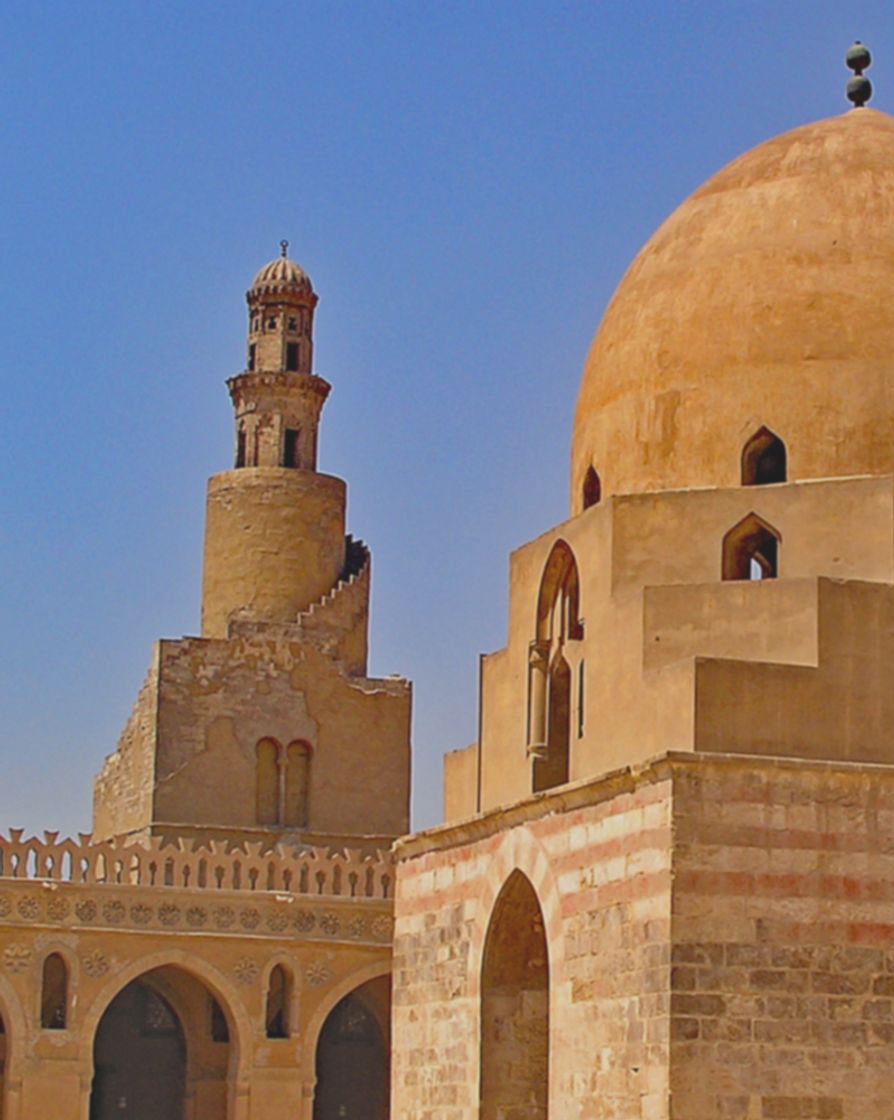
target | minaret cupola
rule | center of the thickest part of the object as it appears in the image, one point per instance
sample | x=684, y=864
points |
x=278, y=399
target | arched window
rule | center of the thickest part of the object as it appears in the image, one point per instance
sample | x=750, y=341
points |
x=515, y=1007
x=558, y=602
x=297, y=784
x=763, y=459
x=549, y=673
x=276, y=1017
x=282, y=783
x=592, y=488
x=751, y=550
x=54, y=993
x=267, y=782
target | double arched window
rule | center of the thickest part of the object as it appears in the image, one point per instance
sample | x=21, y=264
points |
x=282, y=783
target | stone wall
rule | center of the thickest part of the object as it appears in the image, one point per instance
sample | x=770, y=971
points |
x=123, y=790
x=598, y=858
x=783, y=923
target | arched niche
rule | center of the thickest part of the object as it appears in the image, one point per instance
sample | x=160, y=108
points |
x=514, y=1038
x=277, y=1003
x=267, y=782
x=297, y=784
x=353, y=1055
x=54, y=993
x=751, y=550
x=158, y=1044
x=764, y=459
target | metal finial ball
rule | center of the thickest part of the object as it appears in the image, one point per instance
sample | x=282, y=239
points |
x=284, y=246
x=859, y=90
x=858, y=57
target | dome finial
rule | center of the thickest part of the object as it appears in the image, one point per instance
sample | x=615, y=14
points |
x=859, y=88
x=284, y=248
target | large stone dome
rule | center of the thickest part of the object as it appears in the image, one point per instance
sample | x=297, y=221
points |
x=765, y=300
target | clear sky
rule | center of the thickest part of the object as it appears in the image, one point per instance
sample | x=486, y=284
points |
x=464, y=182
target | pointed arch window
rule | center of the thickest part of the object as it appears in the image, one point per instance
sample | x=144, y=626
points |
x=764, y=459
x=54, y=993
x=751, y=550
x=282, y=783
x=592, y=491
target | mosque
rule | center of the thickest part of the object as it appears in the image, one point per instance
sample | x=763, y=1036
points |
x=664, y=888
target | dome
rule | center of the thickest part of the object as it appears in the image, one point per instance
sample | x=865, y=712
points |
x=281, y=275
x=764, y=301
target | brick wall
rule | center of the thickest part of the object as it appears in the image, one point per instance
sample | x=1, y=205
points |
x=599, y=861
x=783, y=958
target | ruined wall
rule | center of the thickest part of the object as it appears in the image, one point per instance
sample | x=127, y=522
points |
x=783, y=928
x=218, y=699
x=123, y=790
x=598, y=859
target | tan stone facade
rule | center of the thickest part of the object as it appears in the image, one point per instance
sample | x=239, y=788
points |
x=662, y=891
x=219, y=947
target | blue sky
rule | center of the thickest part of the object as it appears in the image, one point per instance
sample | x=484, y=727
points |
x=465, y=183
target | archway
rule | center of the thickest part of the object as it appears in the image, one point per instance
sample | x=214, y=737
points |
x=515, y=1007
x=352, y=1059
x=2, y=1064
x=161, y=1051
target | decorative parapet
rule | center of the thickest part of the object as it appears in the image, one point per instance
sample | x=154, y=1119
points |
x=218, y=866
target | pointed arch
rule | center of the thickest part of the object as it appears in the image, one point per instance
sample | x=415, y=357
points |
x=351, y=1055
x=514, y=1007
x=751, y=550
x=54, y=993
x=764, y=459
x=276, y=1014
x=239, y=1027
x=592, y=488
x=15, y=1031
x=557, y=622
x=559, y=587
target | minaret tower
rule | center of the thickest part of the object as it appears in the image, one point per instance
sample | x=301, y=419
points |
x=274, y=537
